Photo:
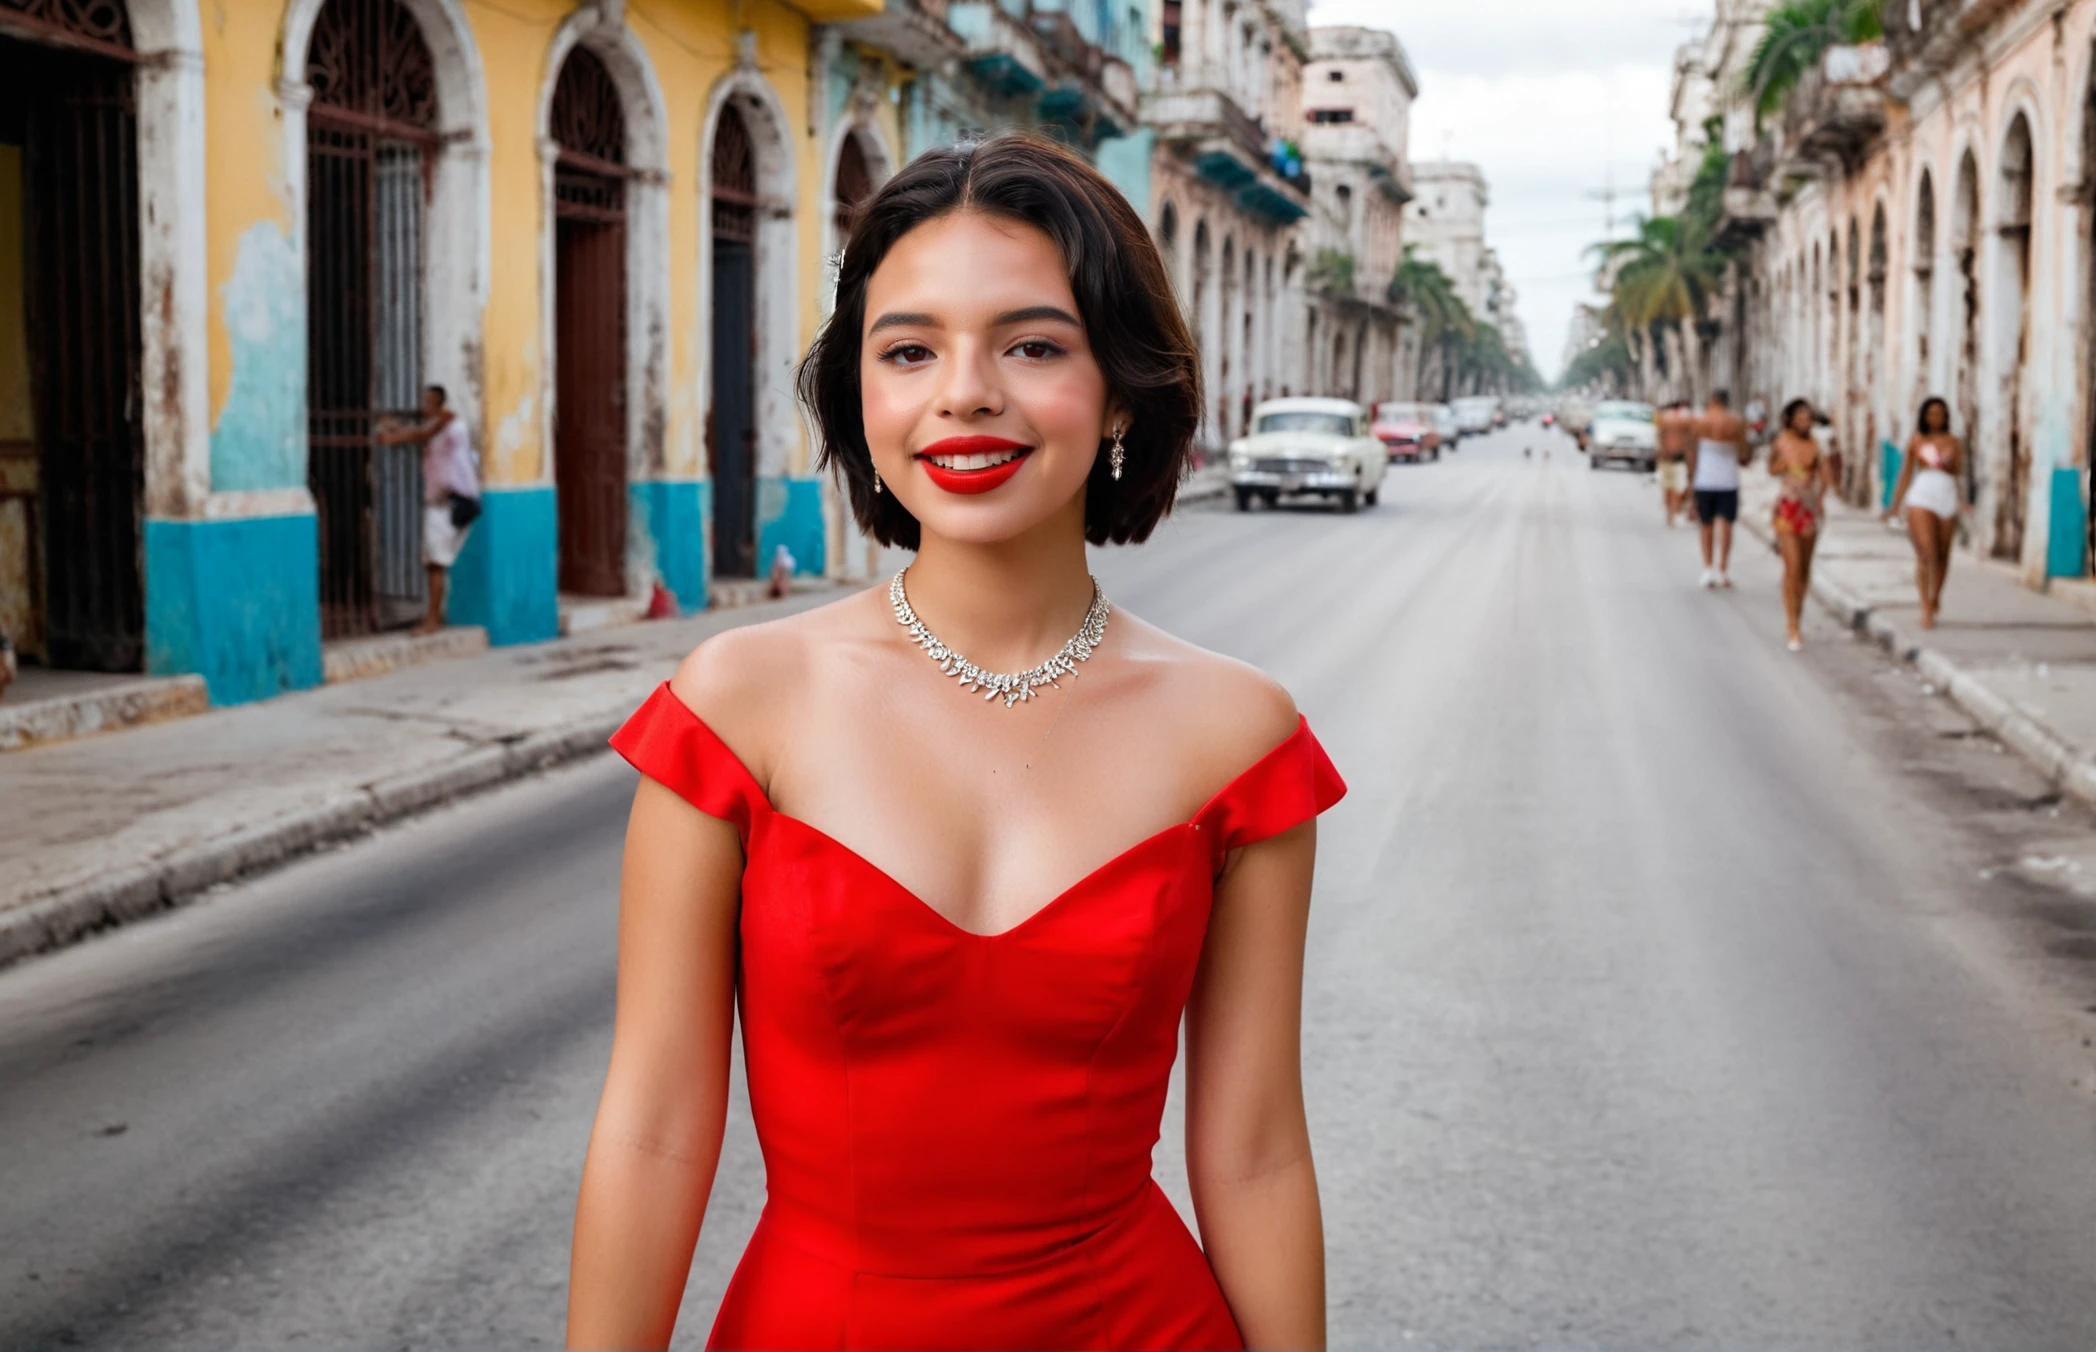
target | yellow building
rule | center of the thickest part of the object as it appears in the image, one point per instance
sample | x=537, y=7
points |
x=233, y=244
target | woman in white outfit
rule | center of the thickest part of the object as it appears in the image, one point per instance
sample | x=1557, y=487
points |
x=1928, y=492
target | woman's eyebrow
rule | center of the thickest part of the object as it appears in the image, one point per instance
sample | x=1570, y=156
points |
x=903, y=319
x=1033, y=312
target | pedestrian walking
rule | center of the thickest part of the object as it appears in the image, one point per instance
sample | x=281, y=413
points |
x=1714, y=460
x=1930, y=473
x=1803, y=475
x=450, y=492
x=1676, y=437
x=958, y=1070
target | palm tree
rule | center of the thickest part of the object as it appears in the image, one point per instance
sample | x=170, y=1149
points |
x=1662, y=278
x=1796, y=35
x=1444, y=321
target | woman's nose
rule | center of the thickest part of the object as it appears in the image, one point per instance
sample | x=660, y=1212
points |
x=971, y=387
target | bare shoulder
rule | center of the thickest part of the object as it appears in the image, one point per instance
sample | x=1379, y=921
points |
x=745, y=683
x=1223, y=714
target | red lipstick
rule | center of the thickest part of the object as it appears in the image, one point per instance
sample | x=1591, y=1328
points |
x=973, y=480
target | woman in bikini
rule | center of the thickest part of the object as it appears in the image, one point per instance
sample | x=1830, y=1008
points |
x=1802, y=480
x=1928, y=490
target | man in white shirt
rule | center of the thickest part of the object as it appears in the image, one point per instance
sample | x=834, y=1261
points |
x=450, y=491
x=1714, y=460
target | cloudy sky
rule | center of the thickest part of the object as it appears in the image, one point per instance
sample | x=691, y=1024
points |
x=1548, y=97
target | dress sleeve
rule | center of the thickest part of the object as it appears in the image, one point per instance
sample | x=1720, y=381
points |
x=1287, y=787
x=668, y=743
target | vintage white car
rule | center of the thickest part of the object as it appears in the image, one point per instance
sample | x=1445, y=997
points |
x=1305, y=446
x=1623, y=432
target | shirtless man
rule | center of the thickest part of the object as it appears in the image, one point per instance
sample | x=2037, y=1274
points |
x=1677, y=437
x=1714, y=459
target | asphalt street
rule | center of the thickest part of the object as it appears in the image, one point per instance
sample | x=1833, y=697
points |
x=1666, y=989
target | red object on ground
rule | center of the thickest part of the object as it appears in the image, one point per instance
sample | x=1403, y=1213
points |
x=956, y=1126
x=662, y=604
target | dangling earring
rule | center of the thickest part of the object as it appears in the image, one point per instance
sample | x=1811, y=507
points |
x=876, y=483
x=1118, y=456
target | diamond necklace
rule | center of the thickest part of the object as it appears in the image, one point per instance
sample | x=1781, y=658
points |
x=1016, y=687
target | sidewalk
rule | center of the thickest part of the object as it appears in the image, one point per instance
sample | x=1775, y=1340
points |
x=2021, y=663
x=109, y=828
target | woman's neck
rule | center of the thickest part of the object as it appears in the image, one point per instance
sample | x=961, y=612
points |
x=1007, y=605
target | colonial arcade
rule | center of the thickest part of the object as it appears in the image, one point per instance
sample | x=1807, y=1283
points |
x=230, y=252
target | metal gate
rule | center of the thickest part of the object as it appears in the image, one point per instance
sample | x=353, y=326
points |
x=77, y=124
x=370, y=149
x=731, y=425
x=589, y=298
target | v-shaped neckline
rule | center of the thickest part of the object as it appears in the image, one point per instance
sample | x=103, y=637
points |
x=760, y=797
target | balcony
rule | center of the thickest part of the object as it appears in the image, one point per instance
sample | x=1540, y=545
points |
x=1359, y=143
x=833, y=11
x=1001, y=50
x=1747, y=208
x=915, y=30
x=1228, y=147
x=1949, y=30
x=1837, y=109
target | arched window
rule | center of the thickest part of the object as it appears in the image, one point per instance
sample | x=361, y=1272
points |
x=854, y=185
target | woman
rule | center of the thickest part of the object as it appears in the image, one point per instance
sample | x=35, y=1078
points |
x=1928, y=489
x=962, y=912
x=1803, y=477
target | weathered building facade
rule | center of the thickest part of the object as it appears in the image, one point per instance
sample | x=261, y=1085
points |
x=1358, y=90
x=1228, y=184
x=1915, y=221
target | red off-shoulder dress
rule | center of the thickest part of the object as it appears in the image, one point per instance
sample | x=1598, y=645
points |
x=957, y=1127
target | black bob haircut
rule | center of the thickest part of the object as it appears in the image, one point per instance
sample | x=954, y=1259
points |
x=1124, y=299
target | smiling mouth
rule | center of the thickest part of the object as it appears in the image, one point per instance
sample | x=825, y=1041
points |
x=988, y=460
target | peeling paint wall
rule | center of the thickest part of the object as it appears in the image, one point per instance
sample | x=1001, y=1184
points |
x=258, y=440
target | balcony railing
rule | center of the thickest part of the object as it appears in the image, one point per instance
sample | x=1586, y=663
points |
x=1230, y=148
x=1838, y=108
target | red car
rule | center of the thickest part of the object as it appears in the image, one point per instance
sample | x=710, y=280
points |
x=1407, y=431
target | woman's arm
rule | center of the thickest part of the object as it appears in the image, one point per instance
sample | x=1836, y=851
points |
x=658, y=1132
x=1247, y=1137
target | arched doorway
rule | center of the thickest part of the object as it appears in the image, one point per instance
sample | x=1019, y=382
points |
x=1168, y=242
x=371, y=141
x=1225, y=335
x=1924, y=306
x=731, y=425
x=1965, y=239
x=2012, y=278
x=72, y=445
x=854, y=185
x=589, y=326
x=1875, y=422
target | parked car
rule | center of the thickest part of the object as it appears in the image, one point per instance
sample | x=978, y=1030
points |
x=1623, y=432
x=1445, y=423
x=1308, y=446
x=1474, y=414
x=1408, y=431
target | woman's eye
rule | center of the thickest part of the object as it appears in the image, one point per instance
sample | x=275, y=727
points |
x=907, y=354
x=1037, y=349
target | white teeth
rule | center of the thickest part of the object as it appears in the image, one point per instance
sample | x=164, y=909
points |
x=973, y=461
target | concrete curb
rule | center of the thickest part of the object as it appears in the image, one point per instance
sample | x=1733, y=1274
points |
x=70, y=914
x=2072, y=769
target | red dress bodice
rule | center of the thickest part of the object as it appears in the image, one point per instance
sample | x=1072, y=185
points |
x=957, y=1127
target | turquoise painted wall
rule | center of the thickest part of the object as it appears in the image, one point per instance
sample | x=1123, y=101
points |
x=506, y=577
x=237, y=602
x=789, y=513
x=259, y=441
x=1125, y=160
x=2067, y=539
x=667, y=526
